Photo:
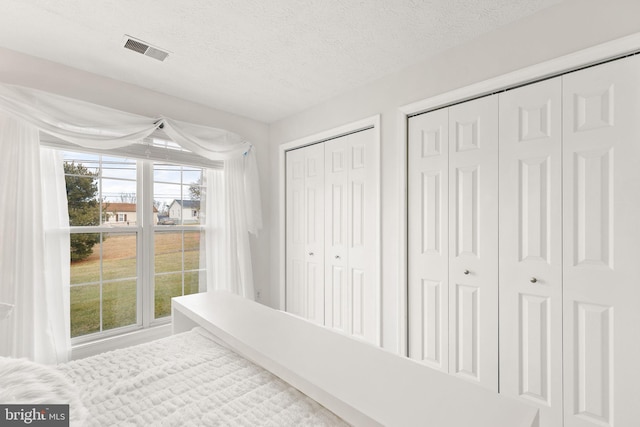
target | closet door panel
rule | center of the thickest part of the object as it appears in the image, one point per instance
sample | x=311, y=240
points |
x=361, y=206
x=473, y=241
x=305, y=232
x=336, y=231
x=295, y=233
x=428, y=223
x=315, y=189
x=350, y=202
x=531, y=247
x=602, y=244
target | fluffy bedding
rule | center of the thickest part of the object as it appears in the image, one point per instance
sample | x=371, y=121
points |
x=187, y=380
x=22, y=381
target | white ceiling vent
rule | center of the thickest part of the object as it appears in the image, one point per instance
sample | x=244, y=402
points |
x=144, y=48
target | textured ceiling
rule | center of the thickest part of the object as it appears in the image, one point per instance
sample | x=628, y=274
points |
x=264, y=59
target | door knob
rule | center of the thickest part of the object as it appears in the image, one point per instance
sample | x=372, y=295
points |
x=533, y=280
x=311, y=253
x=466, y=272
x=337, y=256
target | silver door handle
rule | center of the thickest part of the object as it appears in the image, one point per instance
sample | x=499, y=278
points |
x=466, y=272
x=533, y=280
x=337, y=256
x=311, y=253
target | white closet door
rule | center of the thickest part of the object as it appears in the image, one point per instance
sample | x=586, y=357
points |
x=305, y=232
x=473, y=241
x=362, y=234
x=336, y=232
x=531, y=247
x=428, y=239
x=295, y=247
x=350, y=203
x=602, y=245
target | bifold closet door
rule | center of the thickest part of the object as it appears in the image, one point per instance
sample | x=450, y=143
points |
x=428, y=239
x=305, y=232
x=351, y=302
x=453, y=240
x=473, y=241
x=531, y=247
x=602, y=245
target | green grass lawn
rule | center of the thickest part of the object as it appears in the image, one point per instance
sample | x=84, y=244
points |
x=119, y=280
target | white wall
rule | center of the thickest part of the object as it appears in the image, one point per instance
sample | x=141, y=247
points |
x=568, y=27
x=24, y=70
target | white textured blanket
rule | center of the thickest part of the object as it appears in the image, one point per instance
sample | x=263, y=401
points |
x=188, y=380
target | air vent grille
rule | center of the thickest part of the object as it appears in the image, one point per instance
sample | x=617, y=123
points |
x=136, y=46
x=144, y=48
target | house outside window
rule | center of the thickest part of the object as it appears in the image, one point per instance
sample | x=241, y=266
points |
x=126, y=265
x=187, y=210
x=118, y=213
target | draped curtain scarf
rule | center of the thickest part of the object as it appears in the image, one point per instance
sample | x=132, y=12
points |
x=34, y=225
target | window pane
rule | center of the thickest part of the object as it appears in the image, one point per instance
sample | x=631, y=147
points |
x=118, y=256
x=119, y=300
x=90, y=162
x=119, y=203
x=85, y=309
x=85, y=257
x=167, y=286
x=186, y=210
x=100, y=189
x=118, y=167
x=176, y=193
x=119, y=304
x=177, y=263
x=167, y=173
x=104, y=282
x=85, y=283
x=192, y=176
x=191, y=250
x=119, y=191
x=168, y=269
x=82, y=197
x=168, y=252
x=191, y=282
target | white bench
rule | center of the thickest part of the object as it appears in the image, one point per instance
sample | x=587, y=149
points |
x=361, y=383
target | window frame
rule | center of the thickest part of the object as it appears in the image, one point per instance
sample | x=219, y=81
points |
x=144, y=229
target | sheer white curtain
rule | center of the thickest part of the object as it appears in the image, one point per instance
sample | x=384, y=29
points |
x=56, y=249
x=235, y=195
x=94, y=126
x=74, y=121
x=232, y=203
x=227, y=221
x=30, y=281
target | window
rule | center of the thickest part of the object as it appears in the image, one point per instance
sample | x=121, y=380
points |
x=131, y=251
x=179, y=248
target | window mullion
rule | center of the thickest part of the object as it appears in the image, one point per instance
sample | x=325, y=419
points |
x=101, y=286
x=146, y=246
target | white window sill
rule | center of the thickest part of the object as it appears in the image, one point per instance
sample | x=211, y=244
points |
x=80, y=351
